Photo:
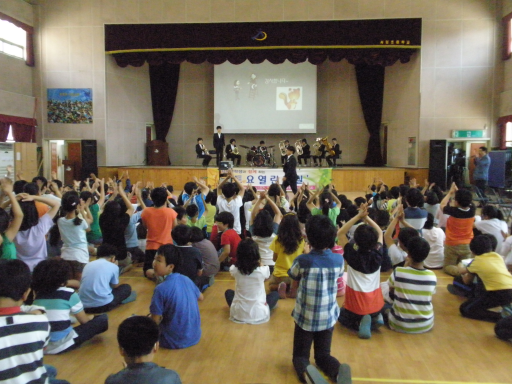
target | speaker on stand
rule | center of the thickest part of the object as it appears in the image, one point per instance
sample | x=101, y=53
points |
x=89, y=158
x=437, y=163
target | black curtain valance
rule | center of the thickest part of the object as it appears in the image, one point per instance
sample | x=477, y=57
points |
x=370, y=42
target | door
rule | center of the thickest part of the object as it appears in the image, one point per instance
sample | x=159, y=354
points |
x=74, y=156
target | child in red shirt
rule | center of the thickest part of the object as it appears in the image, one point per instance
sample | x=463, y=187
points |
x=229, y=239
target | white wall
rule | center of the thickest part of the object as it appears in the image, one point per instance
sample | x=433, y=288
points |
x=455, y=73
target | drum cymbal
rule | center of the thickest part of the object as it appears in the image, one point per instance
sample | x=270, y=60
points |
x=271, y=146
x=243, y=146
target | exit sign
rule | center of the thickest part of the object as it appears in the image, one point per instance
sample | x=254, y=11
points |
x=472, y=134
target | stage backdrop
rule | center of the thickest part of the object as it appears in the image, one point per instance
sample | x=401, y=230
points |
x=262, y=178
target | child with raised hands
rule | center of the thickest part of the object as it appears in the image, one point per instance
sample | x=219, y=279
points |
x=72, y=230
x=248, y=302
x=323, y=205
x=363, y=299
x=8, y=228
x=30, y=240
x=264, y=227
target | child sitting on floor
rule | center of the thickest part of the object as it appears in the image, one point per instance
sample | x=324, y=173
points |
x=49, y=284
x=24, y=334
x=288, y=244
x=191, y=260
x=411, y=289
x=248, y=302
x=495, y=281
x=100, y=290
x=316, y=310
x=138, y=343
x=363, y=298
x=229, y=239
x=174, y=304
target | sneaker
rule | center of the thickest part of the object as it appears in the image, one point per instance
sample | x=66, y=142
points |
x=377, y=322
x=344, y=375
x=314, y=376
x=454, y=290
x=130, y=298
x=506, y=310
x=365, y=327
x=125, y=269
x=281, y=289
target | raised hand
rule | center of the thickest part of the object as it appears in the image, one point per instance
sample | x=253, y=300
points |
x=6, y=185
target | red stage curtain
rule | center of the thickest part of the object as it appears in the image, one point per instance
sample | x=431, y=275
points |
x=23, y=128
x=23, y=133
x=4, y=131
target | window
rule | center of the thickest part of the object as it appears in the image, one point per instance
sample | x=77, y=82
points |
x=508, y=135
x=13, y=40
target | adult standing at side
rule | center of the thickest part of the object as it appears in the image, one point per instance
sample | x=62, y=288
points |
x=218, y=144
x=481, y=173
x=290, y=170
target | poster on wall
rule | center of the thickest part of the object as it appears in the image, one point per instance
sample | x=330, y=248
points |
x=263, y=178
x=69, y=105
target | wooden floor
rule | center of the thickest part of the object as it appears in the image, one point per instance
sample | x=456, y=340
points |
x=457, y=350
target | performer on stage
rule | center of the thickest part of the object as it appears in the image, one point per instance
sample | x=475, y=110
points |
x=331, y=159
x=262, y=147
x=290, y=170
x=218, y=144
x=232, y=152
x=306, y=152
x=283, y=158
x=202, y=152
x=320, y=154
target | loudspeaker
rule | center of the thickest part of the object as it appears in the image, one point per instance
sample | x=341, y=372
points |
x=225, y=165
x=437, y=163
x=89, y=159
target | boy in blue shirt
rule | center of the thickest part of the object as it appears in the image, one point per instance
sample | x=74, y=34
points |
x=100, y=290
x=174, y=304
x=316, y=309
x=138, y=342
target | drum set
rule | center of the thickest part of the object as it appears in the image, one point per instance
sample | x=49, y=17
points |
x=259, y=156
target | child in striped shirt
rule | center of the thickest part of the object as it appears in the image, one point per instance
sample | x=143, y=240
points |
x=411, y=289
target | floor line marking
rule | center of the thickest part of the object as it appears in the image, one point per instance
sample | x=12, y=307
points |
x=418, y=381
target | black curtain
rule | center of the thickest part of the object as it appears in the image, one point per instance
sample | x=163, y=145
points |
x=164, y=87
x=370, y=82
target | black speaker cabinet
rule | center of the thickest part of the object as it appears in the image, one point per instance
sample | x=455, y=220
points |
x=89, y=158
x=437, y=163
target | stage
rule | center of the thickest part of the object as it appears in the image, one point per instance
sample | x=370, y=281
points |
x=350, y=178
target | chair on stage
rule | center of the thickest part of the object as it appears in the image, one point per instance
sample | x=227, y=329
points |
x=212, y=153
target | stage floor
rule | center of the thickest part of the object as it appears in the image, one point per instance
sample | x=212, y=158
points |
x=346, y=178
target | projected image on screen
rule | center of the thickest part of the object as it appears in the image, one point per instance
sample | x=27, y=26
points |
x=265, y=98
x=289, y=99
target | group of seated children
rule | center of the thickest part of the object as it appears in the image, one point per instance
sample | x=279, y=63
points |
x=287, y=249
